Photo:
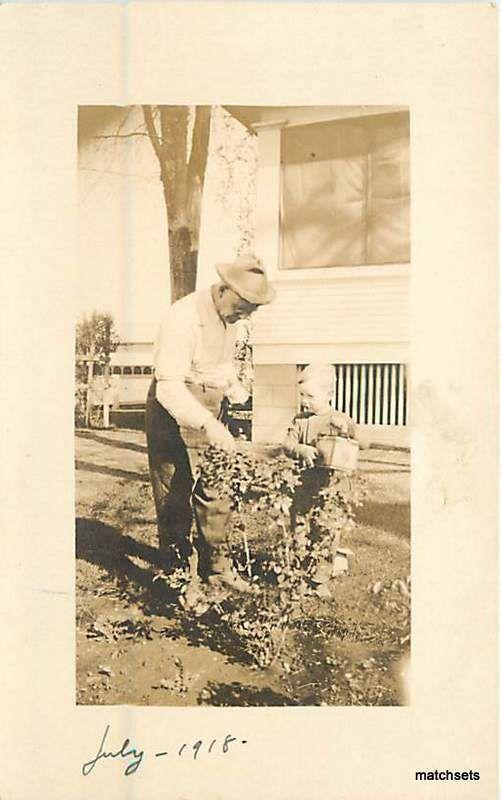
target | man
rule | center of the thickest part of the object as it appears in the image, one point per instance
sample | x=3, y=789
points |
x=194, y=372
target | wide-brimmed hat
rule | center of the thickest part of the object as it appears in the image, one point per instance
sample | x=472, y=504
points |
x=247, y=278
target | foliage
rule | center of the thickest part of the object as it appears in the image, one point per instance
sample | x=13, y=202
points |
x=235, y=167
x=95, y=336
x=301, y=562
x=240, y=477
x=80, y=402
x=127, y=624
x=243, y=356
x=96, y=333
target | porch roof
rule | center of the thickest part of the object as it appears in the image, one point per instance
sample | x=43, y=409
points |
x=253, y=116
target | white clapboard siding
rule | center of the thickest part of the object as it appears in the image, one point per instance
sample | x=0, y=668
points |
x=368, y=309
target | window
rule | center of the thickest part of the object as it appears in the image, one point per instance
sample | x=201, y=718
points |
x=117, y=370
x=345, y=192
x=138, y=371
x=127, y=371
x=147, y=371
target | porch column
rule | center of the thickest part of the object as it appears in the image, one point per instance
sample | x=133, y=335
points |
x=268, y=195
x=274, y=401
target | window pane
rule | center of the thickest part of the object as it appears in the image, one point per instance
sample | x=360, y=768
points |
x=388, y=234
x=345, y=192
x=324, y=188
x=389, y=200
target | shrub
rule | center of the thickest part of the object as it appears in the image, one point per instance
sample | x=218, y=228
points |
x=302, y=557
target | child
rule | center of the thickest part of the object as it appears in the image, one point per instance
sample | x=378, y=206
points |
x=317, y=417
x=316, y=386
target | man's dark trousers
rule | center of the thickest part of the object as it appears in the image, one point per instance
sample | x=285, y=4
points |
x=171, y=479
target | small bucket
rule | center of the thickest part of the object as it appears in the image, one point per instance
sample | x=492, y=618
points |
x=337, y=452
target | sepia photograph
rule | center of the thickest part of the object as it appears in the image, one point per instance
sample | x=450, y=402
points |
x=241, y=406
x=250, y=473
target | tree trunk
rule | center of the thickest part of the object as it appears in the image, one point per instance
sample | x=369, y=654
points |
x=90, y=375
x=182, y=181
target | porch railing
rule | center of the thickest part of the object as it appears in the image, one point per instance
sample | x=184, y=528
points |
x=372, y=394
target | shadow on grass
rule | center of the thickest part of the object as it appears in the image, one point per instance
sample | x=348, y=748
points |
x=209, y=631
x=120, y=444
x=107, y=547
x=234, y=694
x=87, y=466
x=391, y=517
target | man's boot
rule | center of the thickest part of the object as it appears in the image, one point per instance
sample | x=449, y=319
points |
x=223, y=572
x=212, y=515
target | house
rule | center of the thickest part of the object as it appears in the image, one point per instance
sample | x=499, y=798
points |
x=332, y=228
x=333, y=231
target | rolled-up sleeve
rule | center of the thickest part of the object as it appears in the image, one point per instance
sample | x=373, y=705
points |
x=173, y=362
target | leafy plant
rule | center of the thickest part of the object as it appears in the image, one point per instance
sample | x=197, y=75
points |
x=126, y=625
x=302, y=558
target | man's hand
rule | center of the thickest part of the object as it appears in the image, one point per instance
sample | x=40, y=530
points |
x=308, y=454
x=219, y=436
x=236, y=393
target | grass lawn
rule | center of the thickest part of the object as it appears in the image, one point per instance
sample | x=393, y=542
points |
x=136, y=645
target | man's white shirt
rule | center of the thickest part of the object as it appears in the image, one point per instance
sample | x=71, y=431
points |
x=194, y=348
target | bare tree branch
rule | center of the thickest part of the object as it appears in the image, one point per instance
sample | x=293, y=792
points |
x=152, y=132
x=121, y=135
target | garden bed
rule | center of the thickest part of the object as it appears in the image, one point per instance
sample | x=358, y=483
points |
x=136, y=645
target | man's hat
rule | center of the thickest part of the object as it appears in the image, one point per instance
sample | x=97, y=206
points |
x=248, y=279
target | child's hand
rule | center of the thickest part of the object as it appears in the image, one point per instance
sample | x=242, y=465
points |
x=308, y=454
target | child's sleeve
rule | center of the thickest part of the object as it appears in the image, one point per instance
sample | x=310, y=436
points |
x=293, y=438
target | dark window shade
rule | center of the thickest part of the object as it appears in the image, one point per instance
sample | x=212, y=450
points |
x=345, y=192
